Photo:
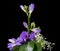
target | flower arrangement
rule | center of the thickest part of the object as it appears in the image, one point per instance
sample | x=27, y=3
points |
x=32, y=39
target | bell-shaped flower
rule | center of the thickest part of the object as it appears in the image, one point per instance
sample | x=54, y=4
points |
x=31, y=8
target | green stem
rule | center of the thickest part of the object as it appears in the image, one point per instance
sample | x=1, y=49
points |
x=28, y=23
x=39, y=47
x=50, y=48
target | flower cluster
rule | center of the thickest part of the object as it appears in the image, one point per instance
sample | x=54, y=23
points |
x=21, y=39
x=33, y=34
x=26, y=8
x=24, y=36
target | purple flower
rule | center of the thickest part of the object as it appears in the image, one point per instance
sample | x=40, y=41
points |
x=22, y=7
x=35, y=30
x=19, y=41
x=32, y=36
x=24, y=36
x=31, y=8
x=25, y=24
x=13, y=42
x=10, y=46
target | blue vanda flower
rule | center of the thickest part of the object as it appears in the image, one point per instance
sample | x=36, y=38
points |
x=30, y=8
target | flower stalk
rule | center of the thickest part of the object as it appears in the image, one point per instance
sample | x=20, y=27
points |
x=50, y=49
x=29, y=23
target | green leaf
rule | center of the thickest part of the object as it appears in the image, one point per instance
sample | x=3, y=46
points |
x=39, y=47
x=30, y=46
x=16, y=48
x=25, y=47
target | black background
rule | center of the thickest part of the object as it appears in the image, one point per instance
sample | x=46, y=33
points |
x=12, y=17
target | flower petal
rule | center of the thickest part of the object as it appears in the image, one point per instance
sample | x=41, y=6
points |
x=13, y=43
x=10, y=46
x=32, y=36
x=22, y=7
x=31, y=8
x=36, y=30
x=18, y=41
x=12, y=40
x=24, y=35
x=25, y=24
